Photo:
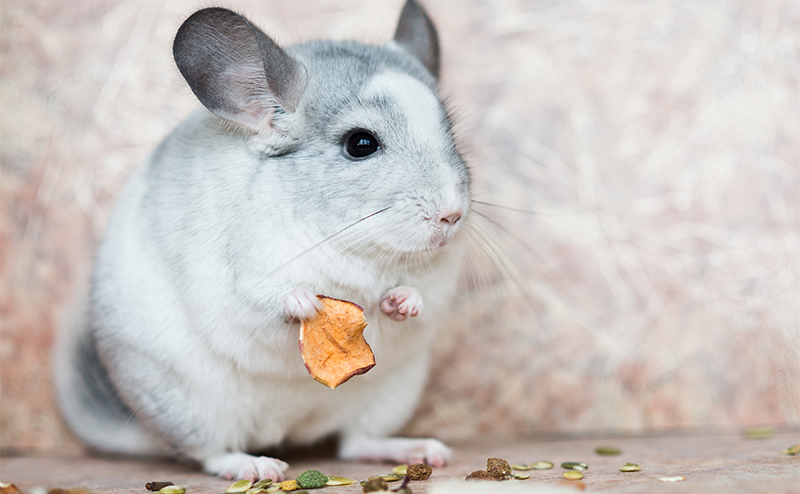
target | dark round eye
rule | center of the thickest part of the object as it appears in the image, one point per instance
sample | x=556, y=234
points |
x=360, y=144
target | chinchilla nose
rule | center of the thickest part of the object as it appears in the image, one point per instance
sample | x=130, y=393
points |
x=450, y=219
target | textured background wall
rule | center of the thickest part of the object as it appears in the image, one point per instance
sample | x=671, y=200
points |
x=650, y=280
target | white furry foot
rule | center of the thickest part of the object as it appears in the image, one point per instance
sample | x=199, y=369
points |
x=401, y=302
x=397, y=449
x=236, y=466
x=300, y=304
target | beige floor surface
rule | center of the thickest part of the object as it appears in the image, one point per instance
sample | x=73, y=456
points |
x=710, y=464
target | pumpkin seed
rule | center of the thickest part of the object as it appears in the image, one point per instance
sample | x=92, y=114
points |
x=339, y=481
x=630, y=467
x=400, y=470
x=240, y=486
x=758, y=433
x=574, y=465
x=573, y=475
x=172, y=489
x=542, y=465
x=678, y=478
x=262, y=484
x=522, y=467
x=522, y=476
x=792, y=450
x=607, y=451
x=389, y=477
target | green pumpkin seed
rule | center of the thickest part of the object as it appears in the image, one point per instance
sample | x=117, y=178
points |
x=542, y=465
x=607, y=451
x=630, y=467
x=574, y=465
x=678, y=478
x=573, y=475
x=519, y=466
x=792, y=450
x=758, y=433
x=239, y=486
x=522, y=476
x=389, y=478
x=172, y=489
x=339, y=481
x=262, y=484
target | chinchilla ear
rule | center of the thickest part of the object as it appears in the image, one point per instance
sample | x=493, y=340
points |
x=417, y=34
x=236, y=70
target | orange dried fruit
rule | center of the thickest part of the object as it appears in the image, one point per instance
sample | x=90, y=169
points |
x=332, y=343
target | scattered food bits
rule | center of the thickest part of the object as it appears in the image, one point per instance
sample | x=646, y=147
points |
x=499, y=469
x=574, y=465
x=758, y=433
x=332, y=343
x=792, y=450
x=630, y=467
x=172, y=489
x=156, y=486
x=607, y=451
x=239, y=486
x=542, y=465
x=376, y=484
x=678, y=478
x=419, y=471
x=480, y=475
x=312, y=479
x=262, y=484
x=289, y=485
x=573, y=475
x=522, y=476
x=9, y=489
x=339, y=481
x=400, y=469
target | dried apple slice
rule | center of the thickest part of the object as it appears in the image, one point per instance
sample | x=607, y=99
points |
x=332, y=343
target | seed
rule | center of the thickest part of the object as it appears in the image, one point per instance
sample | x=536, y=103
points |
x=339, y=481
x=400, y=469
x=156, y=486
x=792, y=450
x=240, y=486
x=172, y=489
x=522, y=476
x=672, y=479
x=390, y=477
x=573, y=475
x=607, y=451
x=518, y=466
x=758, y=433
x=574, y=465
x=630, y=467
x=262, y=484
x=542, y=465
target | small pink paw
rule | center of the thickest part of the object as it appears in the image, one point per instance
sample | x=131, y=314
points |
x=236, y=466
x=401, y=302
x=300, y=304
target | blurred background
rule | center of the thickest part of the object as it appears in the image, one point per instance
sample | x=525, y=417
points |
x=635, y=254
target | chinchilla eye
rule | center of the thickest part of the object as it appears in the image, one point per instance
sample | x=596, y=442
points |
x=360, y=144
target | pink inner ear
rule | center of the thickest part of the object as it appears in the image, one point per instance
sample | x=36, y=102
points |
x=246, y=86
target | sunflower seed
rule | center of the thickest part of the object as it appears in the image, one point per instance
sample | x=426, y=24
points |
x=573, y=475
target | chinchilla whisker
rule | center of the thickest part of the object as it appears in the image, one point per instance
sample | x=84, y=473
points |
x=516, y=210
x=325, y=240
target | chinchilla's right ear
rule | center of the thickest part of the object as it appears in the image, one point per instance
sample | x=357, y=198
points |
x=236, y=70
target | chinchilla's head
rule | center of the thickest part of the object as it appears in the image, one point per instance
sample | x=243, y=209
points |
x=355, y=132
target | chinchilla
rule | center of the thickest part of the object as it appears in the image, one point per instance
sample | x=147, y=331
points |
x=327, y=167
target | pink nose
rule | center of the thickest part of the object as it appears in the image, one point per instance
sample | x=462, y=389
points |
x=450, y=219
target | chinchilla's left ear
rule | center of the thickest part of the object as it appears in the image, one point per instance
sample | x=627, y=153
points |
x=417, y=34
